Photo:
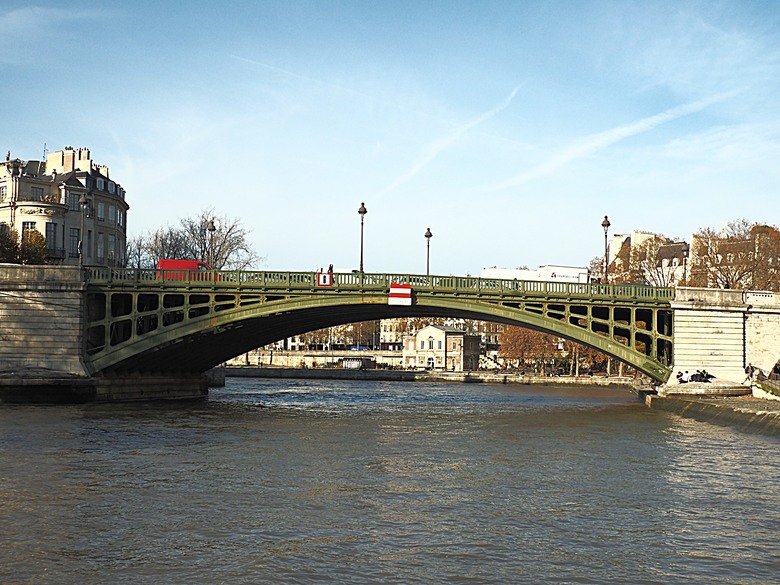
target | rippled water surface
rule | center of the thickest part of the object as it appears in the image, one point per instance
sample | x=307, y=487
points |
x=292, y=481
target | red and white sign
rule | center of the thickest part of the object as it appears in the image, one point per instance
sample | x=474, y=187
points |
x=400, y=294
x=324, y=279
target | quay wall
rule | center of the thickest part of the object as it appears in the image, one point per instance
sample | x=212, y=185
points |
x=41, y=321
x=420, y=376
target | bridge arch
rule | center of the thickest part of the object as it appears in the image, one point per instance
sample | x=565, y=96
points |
x=138, y=322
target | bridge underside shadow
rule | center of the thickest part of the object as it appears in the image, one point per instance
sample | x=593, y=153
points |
x=634, y=334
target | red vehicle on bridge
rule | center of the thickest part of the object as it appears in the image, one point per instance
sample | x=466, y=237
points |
x=184, y=270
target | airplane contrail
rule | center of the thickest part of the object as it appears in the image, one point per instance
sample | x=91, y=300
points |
x=601, y=140
x=435, y=148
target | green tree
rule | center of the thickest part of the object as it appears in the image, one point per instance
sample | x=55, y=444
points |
x=33, y=249
x=9, y=245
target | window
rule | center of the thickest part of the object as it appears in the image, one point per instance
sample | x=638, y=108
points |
x=73, y=242
x=101, y=211
x=440, y=342
x=111, y=186
x=73, y=201
x=111, y=247
x=51, y=235
x=101, y=184
x=3, y=193
x=454, y=344
x=89, y=244
x=111, y=214
x=27, y=226
x=36, y=193
x=5, y=229
x=430, y=343
x=101, y=245
x=422, y=344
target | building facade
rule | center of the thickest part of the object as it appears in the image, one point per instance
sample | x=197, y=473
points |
x=442, y=348
x=648, y=258
x=71, y=201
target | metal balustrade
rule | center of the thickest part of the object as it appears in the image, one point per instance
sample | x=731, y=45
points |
x=307, y=281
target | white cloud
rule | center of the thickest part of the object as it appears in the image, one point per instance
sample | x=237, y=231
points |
x=24, y=31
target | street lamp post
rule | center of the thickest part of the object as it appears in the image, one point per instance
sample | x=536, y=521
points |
x=428, y=236
x=211, y=229
x=362, y=211
x=605, y=224
x=685, y=251
x=84, y=204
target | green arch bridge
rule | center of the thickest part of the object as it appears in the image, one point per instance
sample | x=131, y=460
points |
x=141, y=320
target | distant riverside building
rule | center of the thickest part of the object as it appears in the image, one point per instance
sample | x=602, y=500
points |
x=547, y=273
x=648, y=258
x=47, y=196
x=391, y=333
x=442, y=348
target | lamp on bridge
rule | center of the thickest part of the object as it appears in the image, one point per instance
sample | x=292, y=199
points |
x=84, y=204
x=605, y=224
x=428, y=236
x=211, y=228
x=685, y=251
x=362, y=211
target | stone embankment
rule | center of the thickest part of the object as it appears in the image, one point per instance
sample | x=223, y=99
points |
x=753, y=409
x=421, y=376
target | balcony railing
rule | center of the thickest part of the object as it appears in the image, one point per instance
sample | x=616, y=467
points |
x=56, y=253
x=27, y=197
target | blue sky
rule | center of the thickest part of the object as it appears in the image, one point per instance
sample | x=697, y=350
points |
x=508, y=128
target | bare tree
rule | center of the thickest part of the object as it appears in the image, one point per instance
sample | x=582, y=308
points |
x=221, y=242
x=742, y=255
x=137, y=255
x=596, y=268
x=647, y=264
x=165, y=242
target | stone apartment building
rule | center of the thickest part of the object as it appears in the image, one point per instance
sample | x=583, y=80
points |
x=62, y=196
x=635, y=258
x=442, y=348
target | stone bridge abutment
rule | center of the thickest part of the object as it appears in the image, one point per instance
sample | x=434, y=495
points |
x=722, y=331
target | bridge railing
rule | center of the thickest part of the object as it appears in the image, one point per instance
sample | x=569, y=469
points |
x=308, y=281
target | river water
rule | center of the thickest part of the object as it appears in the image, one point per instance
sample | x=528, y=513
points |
x=292, y=481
